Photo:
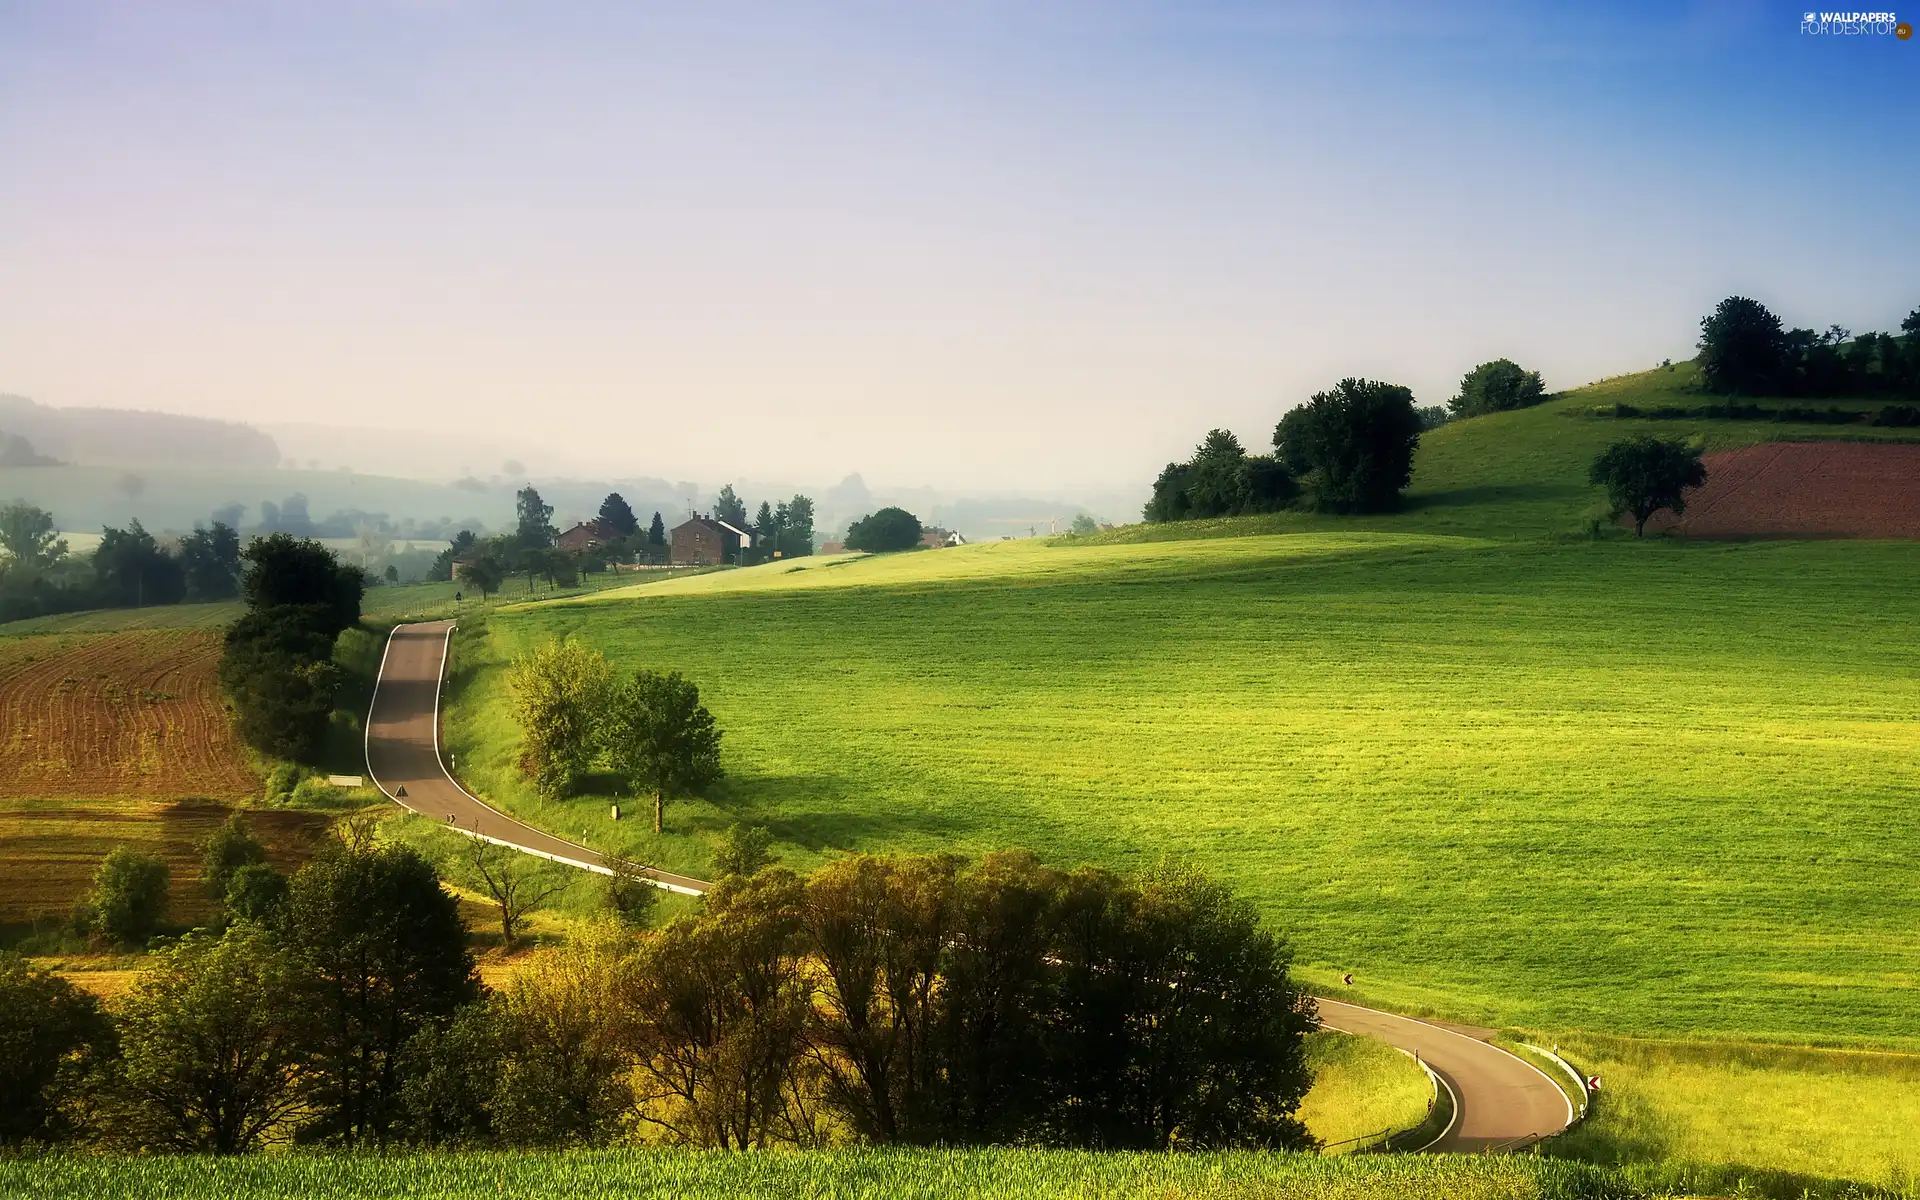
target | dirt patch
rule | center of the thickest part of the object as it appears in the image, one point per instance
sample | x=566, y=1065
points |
x=135, y=714
x=1805, y=489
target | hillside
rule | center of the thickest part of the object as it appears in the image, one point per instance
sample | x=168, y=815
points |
x=118, y=437
x=1523, y=474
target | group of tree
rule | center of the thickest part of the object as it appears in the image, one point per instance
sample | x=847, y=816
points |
x=919, y=1001
x=1346, y=450
x=782, y=529
x=1220, y=480
x=649, y=728
x=277, y=663
x=131, y=568
x=1745, y=350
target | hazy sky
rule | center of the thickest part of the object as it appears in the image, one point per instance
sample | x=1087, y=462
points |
x=966, y=244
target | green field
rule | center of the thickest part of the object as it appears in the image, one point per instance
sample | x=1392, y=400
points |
x=841, y=1175
x=1362, y=1090
x=1634, y=787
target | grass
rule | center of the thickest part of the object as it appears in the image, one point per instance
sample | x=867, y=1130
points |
x=1816, y=1112
x=843, y=1175
x=1579, y=785
x=1362, y=1090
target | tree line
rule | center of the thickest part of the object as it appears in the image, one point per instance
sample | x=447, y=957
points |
x=277, y=660
x=1745, y=350
x=881, y=1000
x=130, y=568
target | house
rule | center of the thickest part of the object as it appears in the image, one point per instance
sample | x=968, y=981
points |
x=934, y=538
x=707, y=541
x=588, y=535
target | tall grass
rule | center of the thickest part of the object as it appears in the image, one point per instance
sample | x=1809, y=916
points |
x=1361, y=1090
x=840, y=1175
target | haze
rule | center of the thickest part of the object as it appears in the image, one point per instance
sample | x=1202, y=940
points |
x=979, y=245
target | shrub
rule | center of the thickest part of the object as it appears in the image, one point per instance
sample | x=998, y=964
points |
x=129, y=898
x=1497, y=386
x=281, y=781
x=229, y=848
x=1354, y=445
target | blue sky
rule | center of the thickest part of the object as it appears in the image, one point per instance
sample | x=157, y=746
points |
x=971, y=244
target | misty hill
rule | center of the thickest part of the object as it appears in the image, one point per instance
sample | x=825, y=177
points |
x=121, y=437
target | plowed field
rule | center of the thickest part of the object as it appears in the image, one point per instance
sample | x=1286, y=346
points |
x=49, y=849
x=136, y=714
x=1806, y=489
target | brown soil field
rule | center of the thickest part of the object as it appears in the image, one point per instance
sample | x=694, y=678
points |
x=50, y=848
x=134, y=714
x=1805, y=489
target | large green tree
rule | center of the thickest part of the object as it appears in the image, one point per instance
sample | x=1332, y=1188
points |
x=1743, y=348
x=1353, y=445
x=215, y=1038
x=615, y=511
x=561, y=693
x=53, y=1039
x=1645, y=474
x=1220, y=480
x=210, y=556
x=382, y=953
x=128, y=901
x=884, y=531
x=533, y=519
x=729, y=507
x=662, y=739
x=131, y=569
x=285, y=571
x=795, y=519
x=28, y=536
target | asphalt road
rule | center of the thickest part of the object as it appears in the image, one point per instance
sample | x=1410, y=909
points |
x=1503, y=1102
x=403, y=756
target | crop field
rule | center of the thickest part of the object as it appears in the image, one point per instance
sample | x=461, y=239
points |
x=1806, y=489
x=51, y=847
x=1654, y=788
x=133, y=714
x=827, y=1175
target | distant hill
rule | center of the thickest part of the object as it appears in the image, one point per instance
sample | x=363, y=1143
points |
x=121, y=437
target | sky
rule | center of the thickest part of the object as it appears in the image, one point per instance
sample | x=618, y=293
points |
x=973, y=245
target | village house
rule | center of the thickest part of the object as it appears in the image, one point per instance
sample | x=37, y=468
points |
x=707, y=541
x=935, y=538
x=588, y=535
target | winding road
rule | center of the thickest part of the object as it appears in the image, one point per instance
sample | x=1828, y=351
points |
x=1500, y=1102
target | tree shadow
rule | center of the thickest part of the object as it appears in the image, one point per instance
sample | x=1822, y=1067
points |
x=1463, y=497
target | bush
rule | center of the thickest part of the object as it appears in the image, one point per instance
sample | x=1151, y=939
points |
x=281, y=781
x=256, y=893
x=1497, y=386
x=52, y=1037
x=1220, y=480
x=231, y=847
x=887, y=530
x=129, y=899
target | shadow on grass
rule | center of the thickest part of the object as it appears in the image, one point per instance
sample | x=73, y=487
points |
x=1466, y=497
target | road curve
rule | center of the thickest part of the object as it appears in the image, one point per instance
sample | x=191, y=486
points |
x=1502, y=1102
x=403, y=756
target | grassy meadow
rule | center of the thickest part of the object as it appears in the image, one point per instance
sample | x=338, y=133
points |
x=841, y=1175
x=1362, y=1089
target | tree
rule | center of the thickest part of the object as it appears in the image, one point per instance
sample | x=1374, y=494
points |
x=1220, y=480
x=257, y=893
x=796, y=527
x=717, y=1006
x=533, y=519
x=1496, y=386
x=1645, y=474
x=211, y=559
x=132, y=570
x=28, y=536
x=462, y=546
x=214, y=1037
x=513, y=883
x=277, y=665
x=226, y=850
x=1177, y=1024
x=449, y=1076
x=391, y=574
x=728, y=507
x=129, y=898
x=284, y=570
x=1084, y=524
x=1742, y=348
x=745, y=850
x=486, y=573
x=766, y=525
x=615, y=511
x=887, y=530
x=630, y=895
x=563, y=1074
x=382, y=953
x=657, y=536
x=560, y=691
x=662, y=739
x=53, y=1039
x=1354, y=444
